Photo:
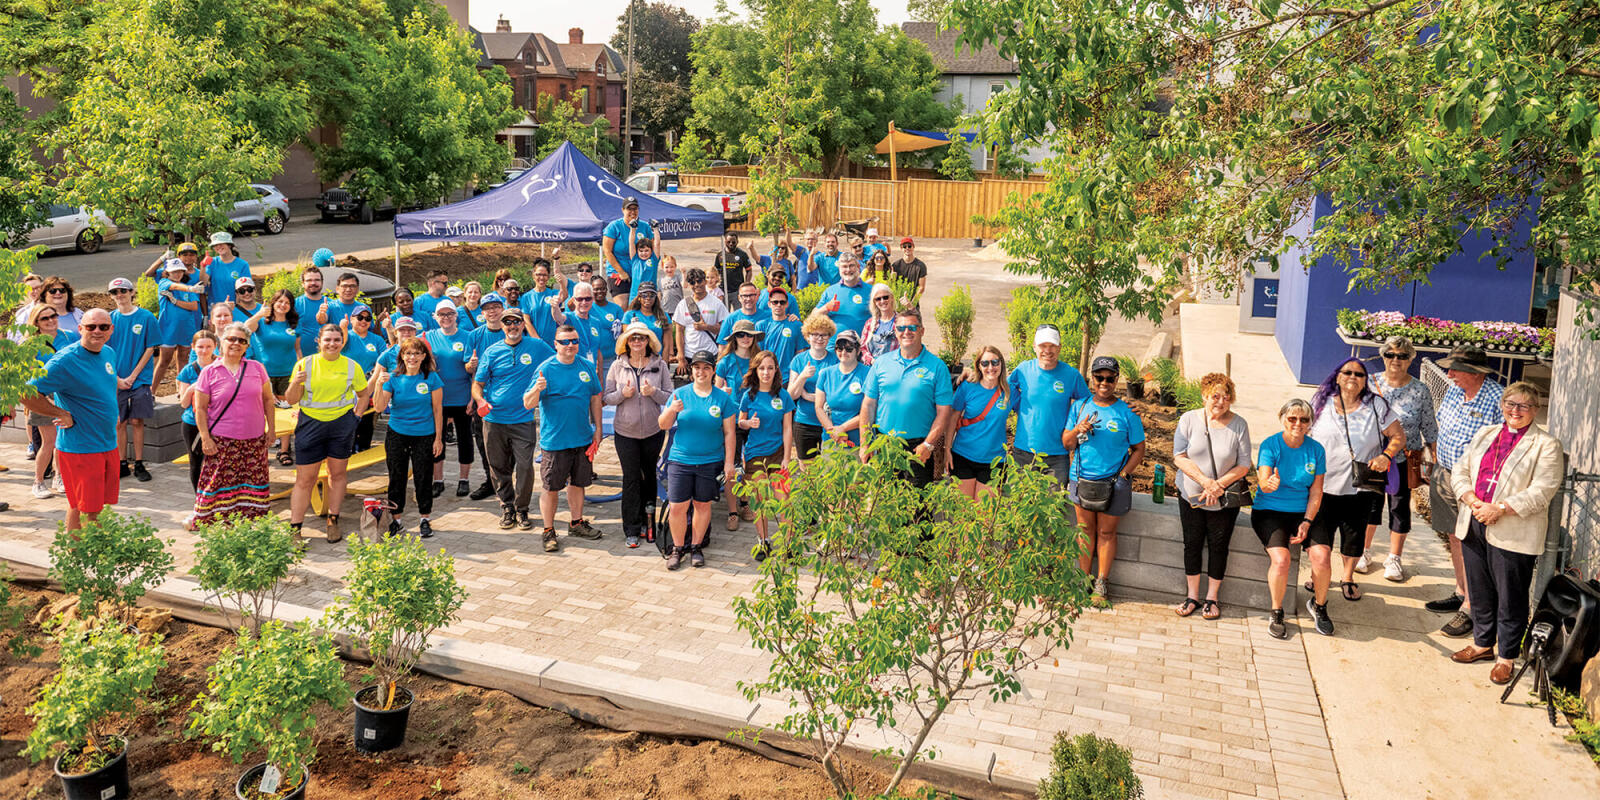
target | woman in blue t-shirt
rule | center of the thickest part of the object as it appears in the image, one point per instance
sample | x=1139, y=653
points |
x=803, y=371
x=204, y=345
x=178, y=316
x=364, y=346
x=840, y=389
x=1107, y=444
x=278, y=345
x=451, y=347
x=702, y=447
x=766, y=418
x=1289, y=470
x=414, y=397
x=646, y=308
x=733, y=358
x=977, y=432
x=46, y=320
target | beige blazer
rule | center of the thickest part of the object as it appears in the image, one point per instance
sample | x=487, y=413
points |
x=1528, y=481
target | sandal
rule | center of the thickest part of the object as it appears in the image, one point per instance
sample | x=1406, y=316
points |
x=1350, y=590
x=285, y=458
x=733, y=521
x=1187, y=607
x=1310, y=587
x=1212, y=610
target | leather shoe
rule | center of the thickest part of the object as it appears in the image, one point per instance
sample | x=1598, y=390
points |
x=1472, y=653
x=1500, y=675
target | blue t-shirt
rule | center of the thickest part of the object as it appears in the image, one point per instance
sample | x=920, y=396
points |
x=189, y=374
x=564, y=405
x=424, y=322
x=1043, y=399
x=411, y=403
x=61, y=340
x=592, y=335
x=224, y=276
x=275, y=341
x=738, y=314
x=540, y=320
x=450, y=354
x=1117, y=429
x=618, y=230
x=609, y=317
x=785, y=264
x=641, y=270
x=984, y=441
x=908, y=393
x=782, y=338
x=308, y=326
x=131, y=335
x=337, y=311
x=732, y=368
x=827, y=268
x=364, y=350
x=177, y=324
x=805, y=411
x=855, y=305
x=651, y=322
x=389, y=359
x=866, y=254
x=770, y=408
x=484, y=337
x=84, y=384
x=1298, y=468
x=533, y=298
x=422, y=308
x=844, y=393
x=698, y=436
x=505, y=370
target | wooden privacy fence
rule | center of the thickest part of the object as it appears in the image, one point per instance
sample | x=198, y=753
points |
x=926, y=208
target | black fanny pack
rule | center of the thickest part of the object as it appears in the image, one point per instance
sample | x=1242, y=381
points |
x=1095, y=495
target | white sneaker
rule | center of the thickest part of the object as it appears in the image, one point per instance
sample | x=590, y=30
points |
x=41, y=492
x=58, y=487
x=1364, y=564
x=282, y=404
x=1392, y=569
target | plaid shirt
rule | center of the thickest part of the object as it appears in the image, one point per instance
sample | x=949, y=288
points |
x=1459, y=419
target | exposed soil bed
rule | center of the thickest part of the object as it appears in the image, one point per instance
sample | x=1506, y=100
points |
x=463, y=742
x=1159, y=424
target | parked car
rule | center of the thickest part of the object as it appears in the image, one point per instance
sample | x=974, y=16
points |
x=341, y=202
x=505, y=178
x=664, y=186
x=269, y=209
x=70, y=228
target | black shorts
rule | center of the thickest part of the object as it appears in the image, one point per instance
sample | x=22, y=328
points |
x=697, y=482
x=280, y=384
x=561, y=467
x=135, y=403
x=315, y=440
x=1347, y=514
x=1275, y=528
x=1121, y=497
x=966, y=469
x=807, y=440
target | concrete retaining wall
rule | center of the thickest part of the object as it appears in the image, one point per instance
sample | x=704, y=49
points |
x=1149, y=561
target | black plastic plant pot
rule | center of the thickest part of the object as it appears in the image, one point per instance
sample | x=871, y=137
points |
x=1169, y=398
x=1136, y=389
x=378, y=730
x=109, y=782
x=249, y=785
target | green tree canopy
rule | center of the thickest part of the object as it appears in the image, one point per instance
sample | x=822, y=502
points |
x=1423, y=123
x=559, y=121
x=861, y=77
x=662, y=34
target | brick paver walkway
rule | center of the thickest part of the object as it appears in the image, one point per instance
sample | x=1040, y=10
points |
x=1210, y=709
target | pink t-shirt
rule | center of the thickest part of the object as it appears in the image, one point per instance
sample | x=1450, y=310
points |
x=243, y=418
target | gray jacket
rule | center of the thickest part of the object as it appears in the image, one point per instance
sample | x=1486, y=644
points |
x=637, y=415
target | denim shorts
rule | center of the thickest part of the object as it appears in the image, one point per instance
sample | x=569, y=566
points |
x=697, y=482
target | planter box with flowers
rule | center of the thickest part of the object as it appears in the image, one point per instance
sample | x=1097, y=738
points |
x=1508, y=338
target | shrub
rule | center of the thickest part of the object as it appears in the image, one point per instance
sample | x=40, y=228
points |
x=105, y=669
x=241, y=562
x=289, y=279
x=399, y=595
x=1026, y=311
x=145, y=295
x=905, y=292
x=13, y=621
x=960, y=599
x=955, y=314
x=261, y=695
x=806, y=299
x=113, y=559
x=1087, y=767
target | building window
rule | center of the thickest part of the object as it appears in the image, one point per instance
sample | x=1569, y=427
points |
x=600, y=67
x=600, y=102
x=563, y=91
x=527, y=86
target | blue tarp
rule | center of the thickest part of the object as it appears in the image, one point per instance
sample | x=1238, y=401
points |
x=564, y=198
x=943, y=137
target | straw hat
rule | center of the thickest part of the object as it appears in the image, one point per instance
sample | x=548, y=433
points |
x=633, y=328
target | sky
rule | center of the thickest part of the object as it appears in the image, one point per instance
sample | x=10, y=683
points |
x=598, y=18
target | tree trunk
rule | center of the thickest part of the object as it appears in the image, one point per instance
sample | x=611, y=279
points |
x=1084, y=345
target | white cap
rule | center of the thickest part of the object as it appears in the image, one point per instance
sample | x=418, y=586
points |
x=444, y=305
x=454, y=291
x=872, y=231
x=1047, y=336
x=119, y=283
x=243, y=281
x=174, y=264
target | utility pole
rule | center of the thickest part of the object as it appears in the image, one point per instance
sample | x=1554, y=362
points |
x=627, y=110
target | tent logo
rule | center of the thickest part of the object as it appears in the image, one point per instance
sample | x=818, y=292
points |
x=605, y=184
x=528, y=190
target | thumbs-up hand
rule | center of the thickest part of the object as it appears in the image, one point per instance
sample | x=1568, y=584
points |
x=322, y=312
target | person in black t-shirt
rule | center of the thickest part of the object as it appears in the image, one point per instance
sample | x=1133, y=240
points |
x=733, y=263
x=911, y=268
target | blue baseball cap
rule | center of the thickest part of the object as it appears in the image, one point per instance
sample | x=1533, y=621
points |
x=492, y=297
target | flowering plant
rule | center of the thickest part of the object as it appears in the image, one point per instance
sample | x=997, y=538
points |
x=1490, y=334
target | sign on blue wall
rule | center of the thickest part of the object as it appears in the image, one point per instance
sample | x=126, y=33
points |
x=1264, y=300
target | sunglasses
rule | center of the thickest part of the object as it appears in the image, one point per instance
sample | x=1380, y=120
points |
x=905, y=328
x=584, y=299
x=236, y=340
x=566, y=342
x=990, y=362
x=648, y=295
x=1350, y=373
x=1396, y=356
x=778, y=303
x=696, y=281
x=1298, y=420
x=881, y=299
x=98, y=326
x=511, y=321
x=745, y=335
x=845, y=346
x=905, y=247
x=1103, y=378
x=55, y=290
x=115, y=292
x=244, y=290
x=48, y=317
x=364, y=317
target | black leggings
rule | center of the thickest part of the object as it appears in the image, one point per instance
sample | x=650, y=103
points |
x=197, y=456
x=456, y=417
x=638, y=458
x=1208, y=529
x=364, y=431
x=401, y=451
x=477, y=440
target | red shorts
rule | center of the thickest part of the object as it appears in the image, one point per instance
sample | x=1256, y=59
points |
x=90, y=479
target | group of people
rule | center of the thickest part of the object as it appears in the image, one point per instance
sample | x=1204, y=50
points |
x=520, y=378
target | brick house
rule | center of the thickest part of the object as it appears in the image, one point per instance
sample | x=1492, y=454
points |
x=537, y=65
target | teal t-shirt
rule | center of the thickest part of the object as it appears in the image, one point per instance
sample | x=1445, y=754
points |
x=131, y=335
x=364, y=350
x=450, y=355
x=84, y=384
x=844, y=393
x=411, y=403
x=982, y=441
x=1116, y=429
x=1043, y=399
x=1298, y=468
x=908, y=392
x=770, y=408
x=653, y=323
x=805, y=411
x=698, y=436
x=732, y=368
x=277, y=341
x=189, y=374
x=855, y=305
x=564, y=421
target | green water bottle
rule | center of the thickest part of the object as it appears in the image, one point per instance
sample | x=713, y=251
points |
x=1158, y=491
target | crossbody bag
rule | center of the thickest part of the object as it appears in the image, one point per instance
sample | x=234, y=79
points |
x=1236, y=494
x=1362, y=477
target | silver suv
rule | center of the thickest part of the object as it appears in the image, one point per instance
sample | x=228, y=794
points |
x=69, y=228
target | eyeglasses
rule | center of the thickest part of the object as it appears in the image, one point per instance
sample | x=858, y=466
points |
x=748, y=297
x=1103, y=378
x=905, y=328
x=1520, y=408
x=1397, y=356
x=990, y=362
x=566, y=342
x=98, y=326
x=55, y=290
x=1298, y=420
x=1350, y=373
x=115, y=292
x=236, y=340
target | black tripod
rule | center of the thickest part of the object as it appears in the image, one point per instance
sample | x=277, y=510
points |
x=1541, y=674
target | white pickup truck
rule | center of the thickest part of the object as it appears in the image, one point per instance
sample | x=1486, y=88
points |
x=664, y=186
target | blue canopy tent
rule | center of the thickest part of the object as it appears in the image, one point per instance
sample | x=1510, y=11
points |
x=564, y=198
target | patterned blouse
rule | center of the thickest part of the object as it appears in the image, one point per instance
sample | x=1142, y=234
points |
x=1413, y=404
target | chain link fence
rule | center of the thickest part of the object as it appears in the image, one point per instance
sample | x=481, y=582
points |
x=1575, y=516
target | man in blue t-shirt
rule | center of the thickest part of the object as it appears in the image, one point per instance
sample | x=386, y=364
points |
x=343, y=307
x=135, y=338
x=312, y=307
x=566, y=390
x=424, y=304
x=503, y=374
x=617, y=245
x=749, y=308
x=849, y=302
x=79, y=389
x=908, y=396
x=780, y=331
x=824, y=265
x=1045, y=390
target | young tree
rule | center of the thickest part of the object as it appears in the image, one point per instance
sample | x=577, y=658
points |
x=21, y=195
x=559, y=122
x=662, y=34
x=789, y=113
x=18, y=359
x=893, y=604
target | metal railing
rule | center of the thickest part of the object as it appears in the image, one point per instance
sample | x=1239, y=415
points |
x=1575, y=522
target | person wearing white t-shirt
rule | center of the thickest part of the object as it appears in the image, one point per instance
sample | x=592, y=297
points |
x=697, y=319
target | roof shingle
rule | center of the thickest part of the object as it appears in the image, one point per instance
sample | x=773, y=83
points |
x=942, y=45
